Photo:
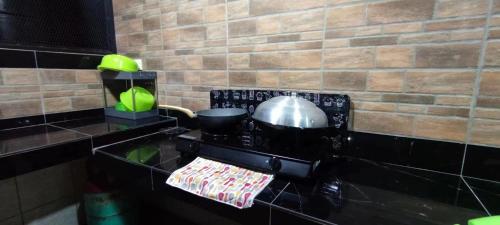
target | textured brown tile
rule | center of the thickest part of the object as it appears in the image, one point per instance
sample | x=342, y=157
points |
x=268, y=79
x=215, y=78
x=268, y=25
x=484, y=113
x=424, y=38
x=237, y=9
x=383, y=122
x=87, y=102
x=463, y=35
x=242, y=79
x=52, y=105
x=283, y=38
x=447, y=56
x=154, y=38
x=140, y=39
x=394, y=57
x=300, y=80
x=193, y=34
x=175, y=77
x=455, y=24
x=441, y=128
x=239, y=61
x=374, y=41
x=263, y=7
x=303, y=21
x=492, y=57
x=134, y=26
x=88, y=76
x=195, y=104
x=452, y=8
x=490, y=83
x=151, y=23
x=402, y=28
x=453, y=100
x=305, y=60
x=20, y=108
x=268, y=60
x=242, y=28
x=19, y=76
x=486, y=132
x=349, y=58
x=216, y=31
x=153, y=64
x=346, y=16
x=445, y=82
x=375, y=106
x=385, y=81
x=412, y=108
x=344, y=80
x=448, y=111
x=57, y=76
x=214, y=62
x=190, y=16
x=488, y=102
x=405, y=98
x=215, y=13
x=399, y=11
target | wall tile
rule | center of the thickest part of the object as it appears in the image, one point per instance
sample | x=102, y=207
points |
x=453, y=8
x=43, y=186
x=447, y=56
x=349, y=58
x=8, y=197
x=490, y=83
x=385, y=81
x=486, y=132
x=242, y=79
x=445, y=82
x=383, y=122
x=349, y=16
x=394, y=57
x=19, y=76
x=441, y=128
x=344, y=80
x=300, y=80
x=399, y=11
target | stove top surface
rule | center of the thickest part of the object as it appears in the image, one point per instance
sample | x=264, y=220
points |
x=284, y=145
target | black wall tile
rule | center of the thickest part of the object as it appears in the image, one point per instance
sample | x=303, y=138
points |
x=426, y=154
x=17, y=59
x=21, y=121
x=67, y=61
x=482, y=162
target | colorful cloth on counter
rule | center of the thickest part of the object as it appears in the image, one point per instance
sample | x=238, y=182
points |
x=221, y=182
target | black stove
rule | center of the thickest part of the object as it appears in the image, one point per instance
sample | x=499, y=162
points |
x=281, y=153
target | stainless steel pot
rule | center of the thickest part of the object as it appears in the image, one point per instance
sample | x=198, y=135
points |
x=291, y=111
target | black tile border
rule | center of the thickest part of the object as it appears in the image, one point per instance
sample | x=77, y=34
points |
x=17, y=58
x=73, y=115
x=21, y=122
x=54, y=60
x=482, y=162
x=438, y=156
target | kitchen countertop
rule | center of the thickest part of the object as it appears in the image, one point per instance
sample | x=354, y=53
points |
x=24, y=149
x=347, y=191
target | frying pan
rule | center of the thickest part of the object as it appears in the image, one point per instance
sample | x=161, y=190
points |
x=214, y=120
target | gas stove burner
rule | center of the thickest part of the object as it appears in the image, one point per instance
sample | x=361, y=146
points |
x=214, y=137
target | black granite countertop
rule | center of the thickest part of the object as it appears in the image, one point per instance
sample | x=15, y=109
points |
x=67, y=136
x=347, y=191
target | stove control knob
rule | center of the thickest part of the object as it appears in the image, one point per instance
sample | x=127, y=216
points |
x=274, y=163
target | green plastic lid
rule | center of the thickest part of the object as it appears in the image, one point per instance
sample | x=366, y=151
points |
x=120, y=107
x=491, y=220
x=144, y=100
x=118, y=63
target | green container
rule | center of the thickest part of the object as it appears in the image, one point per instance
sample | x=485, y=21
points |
x=144, y=100
x=126, y=218
x=118, y=63
x=106, y=204
x=491, y=220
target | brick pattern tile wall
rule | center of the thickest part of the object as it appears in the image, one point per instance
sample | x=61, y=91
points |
x=25, y=92
x=427, y=68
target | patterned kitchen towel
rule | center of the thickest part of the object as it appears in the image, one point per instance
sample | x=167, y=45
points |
x=221, y=182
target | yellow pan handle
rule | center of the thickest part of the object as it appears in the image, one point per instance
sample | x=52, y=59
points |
x=188, y=112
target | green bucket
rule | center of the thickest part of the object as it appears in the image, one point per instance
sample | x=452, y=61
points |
x=144, y=100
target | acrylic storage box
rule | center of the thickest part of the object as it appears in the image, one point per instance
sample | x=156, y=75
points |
x=116, y=83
